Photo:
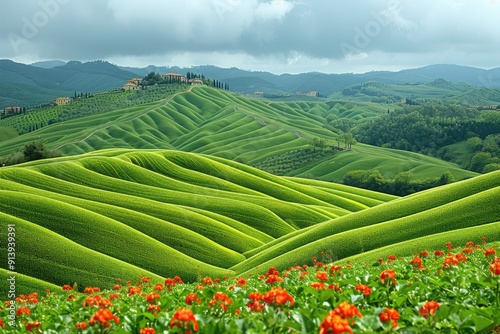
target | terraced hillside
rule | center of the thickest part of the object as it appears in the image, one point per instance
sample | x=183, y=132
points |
x=220, y=123
x=119, y=213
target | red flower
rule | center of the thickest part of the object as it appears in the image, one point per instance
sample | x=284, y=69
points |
x=346, y=310
x=145, y=279
x=191, y=297
x=33, y=325
x=273, y=279
x=158, y=287
x=278, y=297
x=241, y=282
x=490, y=251
x=91, y=301
x=184, y=319
x=81, y=325
x=114, y=296
x=117, y=287
x=438, y=253
x=416, y=262
x=152, y=297
x=390, y=314
x=91, y=290
x=134, y=290
x=154, y=309
x=364, y=288
x=23, y=310
x=170, y=283
x=469, y=244
x=147, y=330
x=495, y=268
x=322, y=276
x=103, y=316
x=67, y=287
x=467, y=250
x=178, y=280
x=424, y=253
x=429, y=308
x=2, y=324
x=222, y=299
x=335, y=324
x=388, y=274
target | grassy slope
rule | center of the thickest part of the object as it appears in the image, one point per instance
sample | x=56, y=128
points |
x=461, y=205
x=118, y=213
x=220, y=123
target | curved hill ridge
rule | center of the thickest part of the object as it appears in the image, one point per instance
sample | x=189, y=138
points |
x=119, y=213
x=162, y=213
x=220, y=123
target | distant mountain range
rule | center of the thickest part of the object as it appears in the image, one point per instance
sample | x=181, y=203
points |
x=41, y=82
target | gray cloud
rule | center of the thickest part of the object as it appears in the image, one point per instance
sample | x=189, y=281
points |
x=276, y=35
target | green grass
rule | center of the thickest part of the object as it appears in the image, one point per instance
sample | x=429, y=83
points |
x=220, y=123
x=164, y=213
x=116, y=213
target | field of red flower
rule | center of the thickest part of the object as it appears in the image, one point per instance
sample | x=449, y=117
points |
x=453, y=290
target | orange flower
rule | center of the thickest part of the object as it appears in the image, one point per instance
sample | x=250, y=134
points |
x=388, y=274
x=91, y=290
x=117, y=287
x=184, y=318
x=207, y=281
x=364, y=288
x=178, y=280
x=114, y=296
x=346, y=310
x=23, y=310
x=495, y=268
x=390, y=314
x=469, y=244
x=91, y=301
x=81, y=325
x=134, y=290
x=241, y=282
x=67, y=287
x=273, y=279
x=147, y=330
x=33, y=325
x=103, y=316
x=255, y=305
x=429, y=308
x=152, y=297
x=335, y=324
x=222, y=299
x=318, y=285
x=2, y=324
x=145, y=279
x=322, y=276
x=424, y=253
x=278, y=296
x=158, y=287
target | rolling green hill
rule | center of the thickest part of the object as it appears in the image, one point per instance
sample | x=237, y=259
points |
x=118, y=213
x=220, y=123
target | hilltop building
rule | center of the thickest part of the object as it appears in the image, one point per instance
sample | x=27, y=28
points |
x=60, y=101
x=132, y=84
x=175, y=78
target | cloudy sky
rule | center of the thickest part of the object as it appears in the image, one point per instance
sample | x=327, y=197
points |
x=279, y=36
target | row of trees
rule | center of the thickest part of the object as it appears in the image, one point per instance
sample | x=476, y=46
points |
x=346, y=138
x=401, y=185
